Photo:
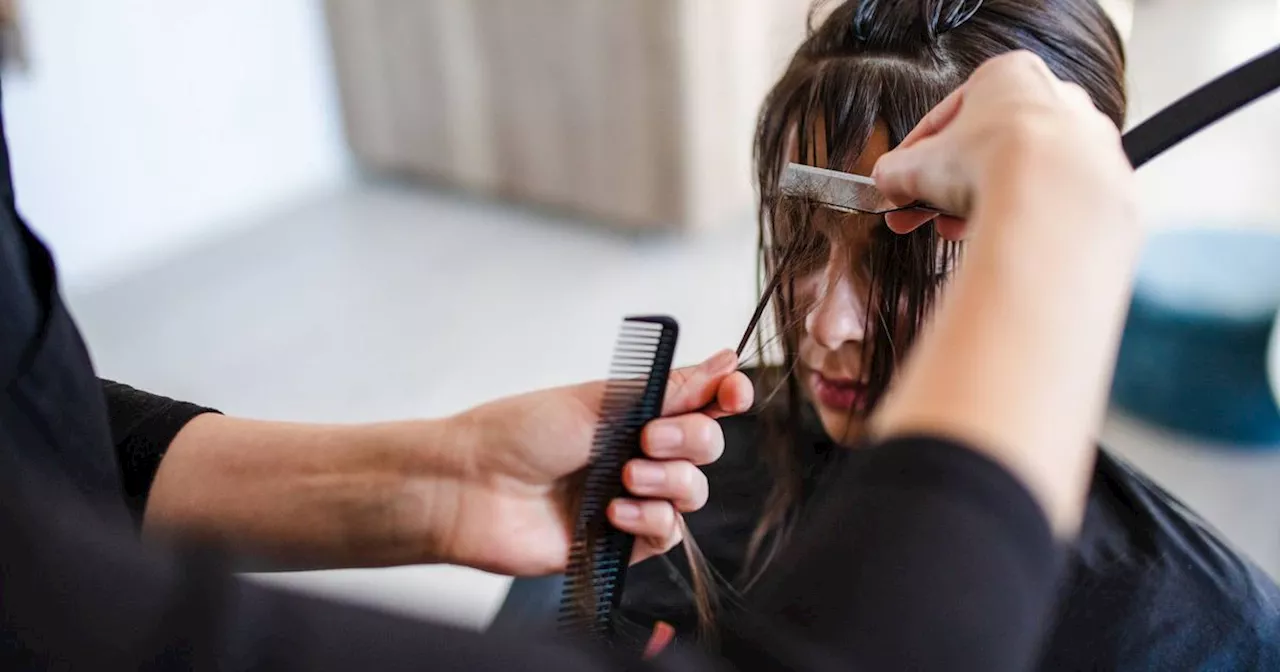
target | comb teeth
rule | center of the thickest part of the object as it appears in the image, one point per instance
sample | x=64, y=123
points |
x=633, y=396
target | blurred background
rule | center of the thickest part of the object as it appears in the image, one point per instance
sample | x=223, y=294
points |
x=361, y=210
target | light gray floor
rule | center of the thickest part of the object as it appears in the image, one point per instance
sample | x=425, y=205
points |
x=376, y=302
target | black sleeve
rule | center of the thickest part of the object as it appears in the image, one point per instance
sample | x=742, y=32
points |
x=142, y=427
x=926, y=557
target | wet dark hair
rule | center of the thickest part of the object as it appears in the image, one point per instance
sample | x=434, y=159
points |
x=884, y=62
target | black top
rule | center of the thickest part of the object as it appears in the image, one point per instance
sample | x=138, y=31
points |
x=143, y=425
x=944, y=541
x=1150, y=586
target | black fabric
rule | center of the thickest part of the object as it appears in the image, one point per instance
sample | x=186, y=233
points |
x=1149, y=585
x=143, y=424
x=932, y=610
x=79, y=591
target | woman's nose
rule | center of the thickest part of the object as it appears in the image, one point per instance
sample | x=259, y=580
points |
x=839, y=315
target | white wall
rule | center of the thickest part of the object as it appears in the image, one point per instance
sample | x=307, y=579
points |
x=145, y=126
x=1227, y=174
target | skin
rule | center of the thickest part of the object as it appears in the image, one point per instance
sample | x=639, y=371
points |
x=487, y=488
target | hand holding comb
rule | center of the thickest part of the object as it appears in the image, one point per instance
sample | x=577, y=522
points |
x=600, y=553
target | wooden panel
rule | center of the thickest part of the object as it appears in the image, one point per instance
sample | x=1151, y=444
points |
x=635, y=112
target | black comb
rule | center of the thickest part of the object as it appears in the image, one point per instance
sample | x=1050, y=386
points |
x=598, y=559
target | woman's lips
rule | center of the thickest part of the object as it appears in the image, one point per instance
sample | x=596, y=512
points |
x=837, y=394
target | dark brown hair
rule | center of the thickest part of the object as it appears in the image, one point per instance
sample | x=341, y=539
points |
x=885, y=62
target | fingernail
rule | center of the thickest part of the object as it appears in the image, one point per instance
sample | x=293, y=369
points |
x=626, y=511
x=721, y=361
x=661, y=637
x=664, y=438
x=647, y=475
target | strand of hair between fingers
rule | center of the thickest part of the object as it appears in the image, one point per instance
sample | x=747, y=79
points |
x=765, y=297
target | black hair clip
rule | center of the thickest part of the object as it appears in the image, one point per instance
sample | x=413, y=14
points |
x=866, y=9
x=960, y=14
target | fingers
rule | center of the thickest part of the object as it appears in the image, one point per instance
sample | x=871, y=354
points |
x=693, y=437
x=1078, y=95
x=951, y=228
x=667, y=487
x=662, y=636
x=926, y=172
x=652, y=522
x=691, y=388
x=736, y=394
x=906, y=221
x=678, y=483
x=1022, y=64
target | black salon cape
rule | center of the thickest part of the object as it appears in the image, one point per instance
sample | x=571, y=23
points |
x=1150, y=586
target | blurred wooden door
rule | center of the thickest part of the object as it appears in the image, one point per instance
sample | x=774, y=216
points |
x=635, y=113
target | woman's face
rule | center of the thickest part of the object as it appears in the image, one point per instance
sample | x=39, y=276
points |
x=833, y=297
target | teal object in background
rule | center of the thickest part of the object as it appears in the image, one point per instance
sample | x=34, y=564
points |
x=1273, y=359
x=1194, y=357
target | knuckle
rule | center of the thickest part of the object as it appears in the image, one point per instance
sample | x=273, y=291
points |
x=909, y=182
x=1020, y=63
x=1080, y=94
x=677, y=379
x=1076, y=89
x=1026, y=59
x=670, y=538
x=701, y=436
x=1027, y=127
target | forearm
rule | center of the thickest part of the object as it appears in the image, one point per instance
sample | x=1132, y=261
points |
x=310, y=495
x=1017, y=359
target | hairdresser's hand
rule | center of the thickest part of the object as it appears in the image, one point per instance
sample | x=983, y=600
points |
x=485, y=488
x=1012, y=128
x=512, y=514
x=1016, y=360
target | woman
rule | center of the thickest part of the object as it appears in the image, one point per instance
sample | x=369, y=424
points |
x=1150, y=586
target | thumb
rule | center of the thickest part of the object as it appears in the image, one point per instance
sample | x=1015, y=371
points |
x=693, y=387
x=926, y=171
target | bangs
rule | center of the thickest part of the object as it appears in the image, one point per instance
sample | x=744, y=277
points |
x=823, y=113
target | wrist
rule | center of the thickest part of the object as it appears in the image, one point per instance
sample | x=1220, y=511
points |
x=436, y=472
